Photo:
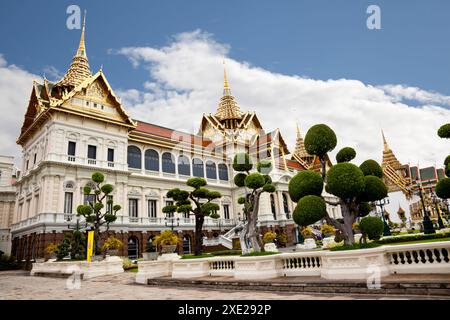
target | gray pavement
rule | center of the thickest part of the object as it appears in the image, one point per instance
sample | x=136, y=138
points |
x=18, y=285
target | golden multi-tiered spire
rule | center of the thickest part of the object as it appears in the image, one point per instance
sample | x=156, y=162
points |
x=79, y=68
x=388, y=156
x=300, y=150
x=228, y=109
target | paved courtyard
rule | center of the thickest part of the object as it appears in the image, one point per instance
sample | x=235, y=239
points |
x=18, y=285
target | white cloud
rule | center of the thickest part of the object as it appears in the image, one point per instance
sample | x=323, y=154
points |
x=15, y=90
x=185, y=80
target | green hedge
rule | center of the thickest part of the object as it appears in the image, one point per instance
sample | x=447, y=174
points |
x=414, y=237
x=357, y=246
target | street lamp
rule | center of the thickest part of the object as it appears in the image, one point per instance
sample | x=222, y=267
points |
x=172, y=222
x=381, y=203
x=435, y=198
x=427, y=224
x=77, y=226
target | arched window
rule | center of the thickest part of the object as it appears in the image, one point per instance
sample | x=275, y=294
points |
x=151, y=160
x=168, y=163
x=134, y=157
x=211, y=172
x=197, y=168
x=223, y=172
x=272, y=205
x=184, y=167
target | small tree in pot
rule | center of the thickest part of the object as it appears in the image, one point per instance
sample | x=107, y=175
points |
x=111, y=246
x=167, y=240
x=150, y=251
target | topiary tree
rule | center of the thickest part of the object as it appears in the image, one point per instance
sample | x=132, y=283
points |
x=346, y=154
x=255, y=184
x=443, y=186
x=201, y=197
x=93, y=211
x=354, y=188
x=319, y=140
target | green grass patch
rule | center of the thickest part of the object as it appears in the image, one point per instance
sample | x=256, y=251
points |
x=192, y=256
x=414, y=237
x=356, y=246
x=258, y=254
x=134, y=270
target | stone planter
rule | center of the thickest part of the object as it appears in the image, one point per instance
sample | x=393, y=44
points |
x=270, y=247
x=112, y=252
x=168, y=248
x=150, y=256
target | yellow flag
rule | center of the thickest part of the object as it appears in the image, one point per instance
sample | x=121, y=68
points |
x=90, y=245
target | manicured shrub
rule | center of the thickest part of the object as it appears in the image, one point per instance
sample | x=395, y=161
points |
x=196, y=182
x=345, y=155
x=309, y=210
x=254, y=181
x=444, y=131
x=364, y=209
x=320, y=139
x=374, y=189
x=239, y=179
x=98, y=177
x=242, y=162
x=372, y=227
x=443, y=188
x=269, y=236
x=270, y=188
x=305, y=183
x=447, y=161
x=371, y=168
x=345, y=180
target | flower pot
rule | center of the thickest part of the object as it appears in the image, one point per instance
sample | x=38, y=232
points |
x=168, y=248
x=150, y=256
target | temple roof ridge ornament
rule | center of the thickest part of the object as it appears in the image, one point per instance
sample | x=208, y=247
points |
x=79, y=69
x=389, y=157
x=228, y=108
x=300, y=150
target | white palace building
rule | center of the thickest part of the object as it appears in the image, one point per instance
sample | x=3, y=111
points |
x=77, y=126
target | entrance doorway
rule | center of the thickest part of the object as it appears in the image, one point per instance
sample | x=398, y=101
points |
x=133, y=248
x=186, y=244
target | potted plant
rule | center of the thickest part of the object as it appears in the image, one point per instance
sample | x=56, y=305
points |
x=167, y=240
x=307, y=233
x=327, y=230
x=282, y=239
x=150, y=251
x=268, y=239
x=50, y=251
x=111, y=246
x=355, y=227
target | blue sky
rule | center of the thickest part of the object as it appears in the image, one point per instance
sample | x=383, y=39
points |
x=291, y=62
x=317, y=39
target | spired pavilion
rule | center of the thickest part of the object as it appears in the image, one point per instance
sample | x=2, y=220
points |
x=404, y=181
x=77, y=126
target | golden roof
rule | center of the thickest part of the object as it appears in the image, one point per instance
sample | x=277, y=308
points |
x=300, y=149
x=228, y=108
x=388, y=156
x=79, y=68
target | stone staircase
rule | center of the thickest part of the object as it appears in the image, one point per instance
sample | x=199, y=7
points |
x=226, y=239
x=398, y=287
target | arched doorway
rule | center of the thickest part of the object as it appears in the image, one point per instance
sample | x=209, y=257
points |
x=186, y=244
x=133, y=248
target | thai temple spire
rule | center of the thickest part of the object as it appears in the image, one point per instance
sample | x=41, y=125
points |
x=79, y=68
x=300, y=149
x=228, y=109
x=388, y=155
